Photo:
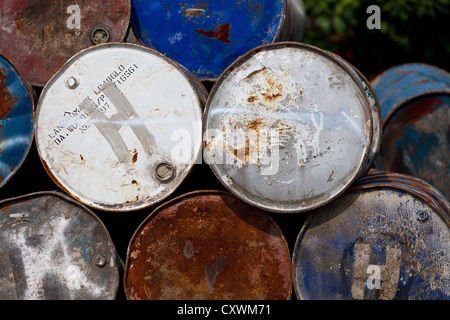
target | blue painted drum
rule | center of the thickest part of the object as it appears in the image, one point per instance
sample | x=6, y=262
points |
x=415, y=106
x=17, y=100
x=207, y=36
x=386, y=238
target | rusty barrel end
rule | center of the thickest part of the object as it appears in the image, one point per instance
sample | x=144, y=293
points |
x=208, y=245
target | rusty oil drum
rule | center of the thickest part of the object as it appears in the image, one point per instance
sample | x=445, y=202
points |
x=207, y=36
x=385, y=238
x=54, y=248
x=415, y=104
x=41, y=35
x=119, y=126
x=17, y=101
x=208, y=245
x=288, y=127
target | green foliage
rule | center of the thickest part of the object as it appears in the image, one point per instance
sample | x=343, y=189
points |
x=410, y=30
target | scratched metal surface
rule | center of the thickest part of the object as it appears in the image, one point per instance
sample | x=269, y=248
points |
x=41, y=35
x=208, y=245
x=119, y=126
x=376, y=116
x=207, y=36
x=415, y=102
x=17, y=101
x=287, y=127
x=53, y=248
x=386, y=238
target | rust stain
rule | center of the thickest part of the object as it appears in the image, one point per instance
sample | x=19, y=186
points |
x=222, y=32
x=7, y=101
x=135, y=156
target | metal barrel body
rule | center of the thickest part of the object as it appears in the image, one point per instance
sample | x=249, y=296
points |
x=288, y=127
x=208, y=245
x=119, y=126
x=415, y=105
x=53, y=248
x=386, y=238
x=207, y=36
x=41, y=35
x=17, y=101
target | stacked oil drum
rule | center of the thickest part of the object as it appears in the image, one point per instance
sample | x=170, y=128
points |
x=160, y=150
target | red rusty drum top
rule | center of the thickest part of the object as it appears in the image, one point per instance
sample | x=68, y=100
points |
x=40, y=35
x=208, y=245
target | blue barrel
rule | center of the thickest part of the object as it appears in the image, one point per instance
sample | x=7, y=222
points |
x=207, y=36
x=17, y=100
x=415, y=106
x=386, y=238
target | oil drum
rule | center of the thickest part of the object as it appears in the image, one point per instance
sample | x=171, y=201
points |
x=415, y=105
x=207, y=36
x=288, y=127
x=39, y=36
x=17, y=102
x=208, y=245
x=54, y=248
x=386, y=238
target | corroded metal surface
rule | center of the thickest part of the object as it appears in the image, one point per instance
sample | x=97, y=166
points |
x=208, y=245
x=287, y=127
x=415, y=101
x=386, y=238
x=119, y=126
x=41, y=35
x=17, y=101
x=52, y=248
x=206, y=36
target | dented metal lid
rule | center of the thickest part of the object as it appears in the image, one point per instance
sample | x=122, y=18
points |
x=119, y=126
x=387, y=237
x=53, y=248
x=41, y=35
x=208, y=245
x=287, y=127
x=17, y=101
x=207, y=36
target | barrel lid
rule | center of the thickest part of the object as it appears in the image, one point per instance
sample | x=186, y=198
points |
x=40, y=36
x=208, y=245
x=54, y=248
x=17, y=101
x=386, y=238
x=207, y=36
x=287, y=127
x=119, y=127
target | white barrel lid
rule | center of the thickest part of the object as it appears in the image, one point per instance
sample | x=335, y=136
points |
x=119, y=127
x=287, y=127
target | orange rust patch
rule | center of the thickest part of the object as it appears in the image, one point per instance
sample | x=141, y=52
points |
x=7, y=101
x=222, y=32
